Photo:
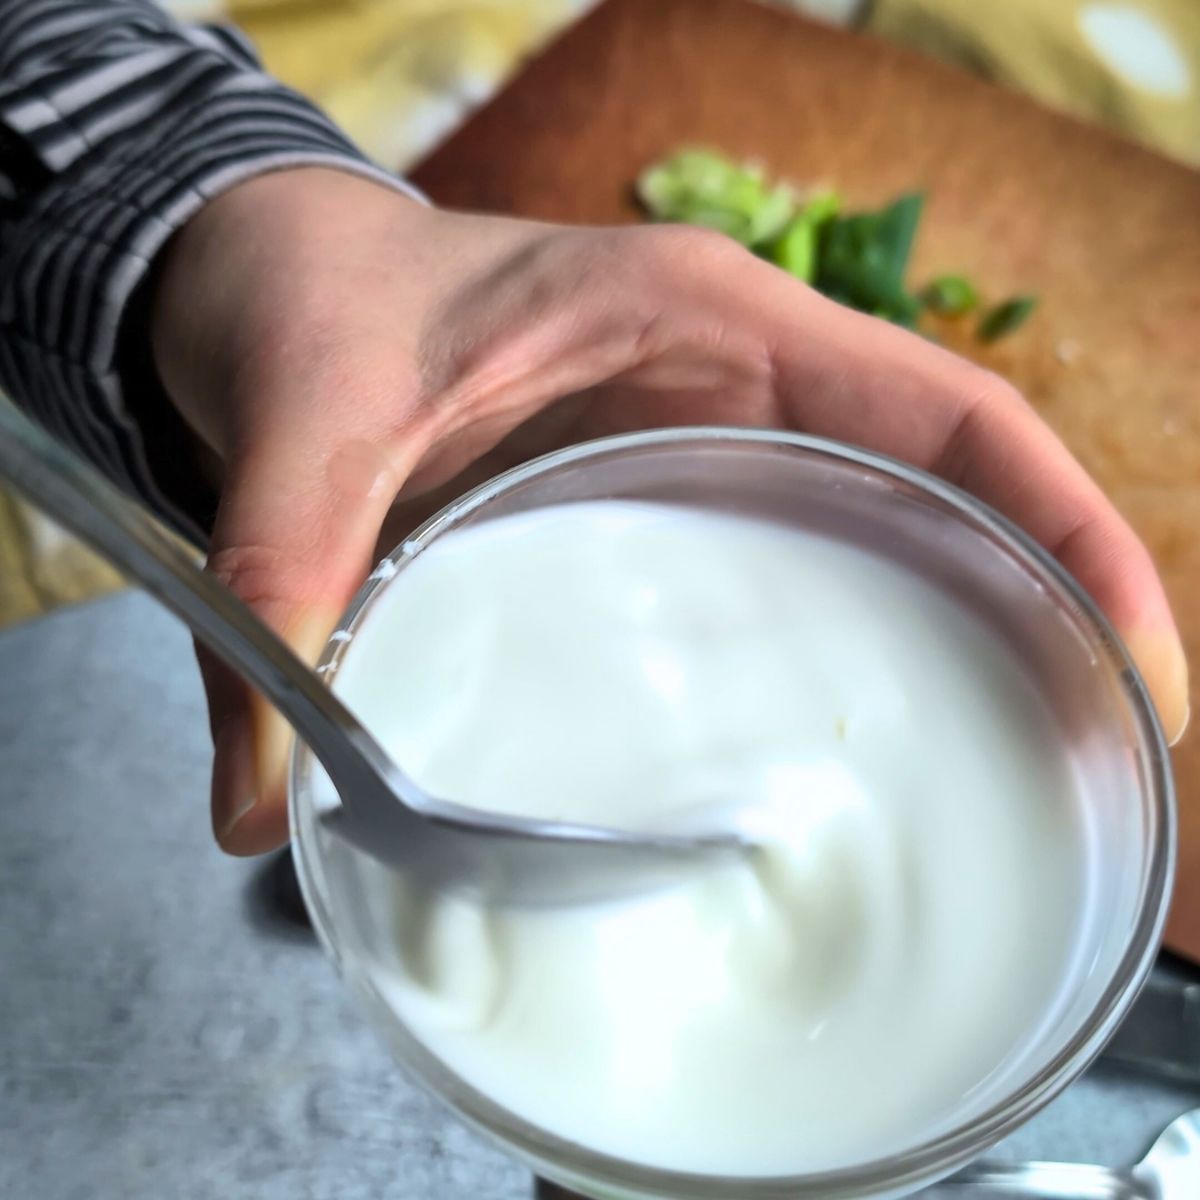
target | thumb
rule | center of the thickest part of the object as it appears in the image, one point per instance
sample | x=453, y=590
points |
x=294, y=537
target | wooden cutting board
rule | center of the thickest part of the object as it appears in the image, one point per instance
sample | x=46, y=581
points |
x=1019, y=198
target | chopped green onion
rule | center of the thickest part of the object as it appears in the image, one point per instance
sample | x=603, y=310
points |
x=950, y=296
x=862, y=260
x=795, y=250
x=699, y=187
x=822, y=207
x=1001, y=320
x=857, y=259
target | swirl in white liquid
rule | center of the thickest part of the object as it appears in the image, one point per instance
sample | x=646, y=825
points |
x=849, y=986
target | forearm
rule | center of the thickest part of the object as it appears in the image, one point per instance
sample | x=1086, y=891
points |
x=118, y=125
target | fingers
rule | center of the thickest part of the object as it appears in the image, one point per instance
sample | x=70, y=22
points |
x=294, y=538
x=875, y=385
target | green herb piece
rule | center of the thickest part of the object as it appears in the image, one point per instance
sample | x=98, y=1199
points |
x=950, y=296
x=702, y=188
x=795, y=250
x=862, y=260
x=857, y=259
x=1001, y=320
x=770, y=216
x=822, y=207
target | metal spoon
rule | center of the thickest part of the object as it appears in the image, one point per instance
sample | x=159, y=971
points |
x=1170, y=1171
x=379, y=809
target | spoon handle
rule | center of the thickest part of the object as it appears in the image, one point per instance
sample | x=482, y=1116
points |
x=74, y=494
x=1037, y=1181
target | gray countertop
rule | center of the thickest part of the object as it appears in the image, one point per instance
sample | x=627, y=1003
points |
x=168, y=1027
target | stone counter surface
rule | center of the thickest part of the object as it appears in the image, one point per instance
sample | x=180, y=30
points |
x=168, y=1026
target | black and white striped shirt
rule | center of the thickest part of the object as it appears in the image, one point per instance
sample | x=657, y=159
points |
x=116, y=125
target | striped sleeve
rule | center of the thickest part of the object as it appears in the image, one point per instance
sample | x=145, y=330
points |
x=116, y=125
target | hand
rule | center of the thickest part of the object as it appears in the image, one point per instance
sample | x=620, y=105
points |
x=354, y=358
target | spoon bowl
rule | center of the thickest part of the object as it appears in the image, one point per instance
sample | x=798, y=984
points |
x=1170, y=1171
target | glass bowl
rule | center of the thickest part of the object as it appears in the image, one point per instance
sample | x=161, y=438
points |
x=961, y=545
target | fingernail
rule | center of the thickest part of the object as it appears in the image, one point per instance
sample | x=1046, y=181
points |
x=273, y=746
x=1160, y=658
x=250, y=762
x=308, y=633
x=234, y=786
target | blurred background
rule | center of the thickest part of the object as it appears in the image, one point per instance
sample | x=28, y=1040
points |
x=400, y=75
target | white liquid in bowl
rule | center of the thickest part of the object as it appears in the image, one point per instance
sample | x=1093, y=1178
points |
x=841, y=994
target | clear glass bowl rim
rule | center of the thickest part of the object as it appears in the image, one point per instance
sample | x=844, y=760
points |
x=915, y=1167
